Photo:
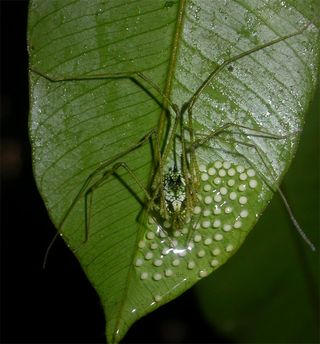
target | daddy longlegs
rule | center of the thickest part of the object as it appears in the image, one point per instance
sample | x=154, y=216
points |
x=173, y=193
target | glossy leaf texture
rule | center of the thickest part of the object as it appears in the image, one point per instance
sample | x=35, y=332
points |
x=271, y=286
x=77, y=125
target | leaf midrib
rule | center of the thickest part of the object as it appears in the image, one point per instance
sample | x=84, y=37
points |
x=161, y=130
x=172, y=65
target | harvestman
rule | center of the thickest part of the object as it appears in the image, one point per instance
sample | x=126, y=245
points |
x=173, y=194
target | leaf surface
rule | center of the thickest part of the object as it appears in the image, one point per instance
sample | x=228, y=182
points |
x=76, y=125
x=269, y=291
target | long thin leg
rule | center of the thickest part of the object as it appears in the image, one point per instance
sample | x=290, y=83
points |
x=159, y=168
x=184, y=167
x=295, y=222
x=159, y=91
x=270, y=170
x=193, y=160
x=89, y=192
x=136, y=76
x=215, y=134
x=45, y=258
x=261, y=133
x=100, y=169
x=283, y=198
x=88, y=198
x=259, y=153
x=189, y=105
x=196, y=143
x=223, y=65
x=85, y=187
x=167, y=149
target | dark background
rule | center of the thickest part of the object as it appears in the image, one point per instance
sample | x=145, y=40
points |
x=56, y=305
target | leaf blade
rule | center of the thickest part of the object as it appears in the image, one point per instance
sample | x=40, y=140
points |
x=113, y=230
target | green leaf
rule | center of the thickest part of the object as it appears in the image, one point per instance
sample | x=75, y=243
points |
x=82, y=121
x=269, y=292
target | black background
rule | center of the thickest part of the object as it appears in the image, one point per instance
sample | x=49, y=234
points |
x=56, y=305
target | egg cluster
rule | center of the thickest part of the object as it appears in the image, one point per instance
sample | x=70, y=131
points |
x=209, y=235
